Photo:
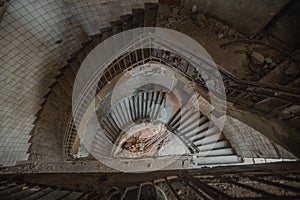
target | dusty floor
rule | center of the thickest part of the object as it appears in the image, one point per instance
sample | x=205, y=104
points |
x=247, y=60
x=283, y=173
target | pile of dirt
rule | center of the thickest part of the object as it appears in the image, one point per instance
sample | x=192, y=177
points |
x=144, y=142
x=174, y=17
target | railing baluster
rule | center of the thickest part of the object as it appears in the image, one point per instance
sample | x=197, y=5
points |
x=173, y=190
x=247, y=89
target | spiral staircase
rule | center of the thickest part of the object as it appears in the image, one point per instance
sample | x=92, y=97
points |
x=58, y=99
x=55, y=112
x=201, y=142
x=274, y=182
x=191, y=126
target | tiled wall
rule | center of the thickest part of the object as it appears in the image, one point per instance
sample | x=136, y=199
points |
x=250, y=143
x=36, y=38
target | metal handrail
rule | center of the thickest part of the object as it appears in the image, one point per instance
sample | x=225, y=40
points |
x=256, y=88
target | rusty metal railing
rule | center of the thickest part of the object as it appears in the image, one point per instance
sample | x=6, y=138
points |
x=237, y=91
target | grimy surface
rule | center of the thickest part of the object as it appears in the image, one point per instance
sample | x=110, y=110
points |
x=276, y=180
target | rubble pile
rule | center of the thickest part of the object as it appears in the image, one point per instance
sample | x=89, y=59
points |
x=173, y=18
x=259, y=65
x=146, y=142
x=219, y=29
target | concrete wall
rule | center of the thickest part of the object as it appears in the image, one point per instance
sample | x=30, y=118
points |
x=30, y=57
x=249, y=143
x=247, y=16
x=287, y=27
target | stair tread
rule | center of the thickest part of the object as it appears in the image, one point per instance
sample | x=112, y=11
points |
x=213, y=160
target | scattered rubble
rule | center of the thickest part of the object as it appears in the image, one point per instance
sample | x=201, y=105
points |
x=268, y=60
x=200, y=17
x=258, y=65
x=257, y=57
x=194, y=8
x=220, y=35
x=175, y=17
x=145, y=142
x=175, y=10
x=221, y=30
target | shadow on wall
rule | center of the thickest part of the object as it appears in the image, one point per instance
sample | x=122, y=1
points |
x=248, y=16
x=286, y=27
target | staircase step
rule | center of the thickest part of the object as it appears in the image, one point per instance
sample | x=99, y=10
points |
x=100, y=144
x=191, y=122
x=151, y=11
x=198, y=132
x=145, y=104
x=215, y=160
x=127, y=22
x=56, y=194
x=29, y=191
x=115, y=117
x=161, y=100
x=97, y=149
x=113, y=124
x=74, y=64
x=177, y=120
x=89, y=46
x=63, y=82
x=69, y=74
x=57, y=98
x=116, y=27
x=153, y=100
x=73, y=195
x=97, y=39
x=138, y=17
x=177, y=113
x=217, y=145
x=81, y=56
x=124, y=112
x=209, y=139
x=132, y=109
x=156, y=105
x=120, y=114
x=11, y=189
x=6, y=185
x=148, y=103
x=108, y=131
x=106, y=33
x=127, y=111
x=137, y=106
x=39, y=193
x=216, y=152
x=140, y=105
x=20, y=194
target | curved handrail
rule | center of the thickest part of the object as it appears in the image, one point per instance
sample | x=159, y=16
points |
x=291, y=95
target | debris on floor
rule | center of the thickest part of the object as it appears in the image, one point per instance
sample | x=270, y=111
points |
x=144, y=142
